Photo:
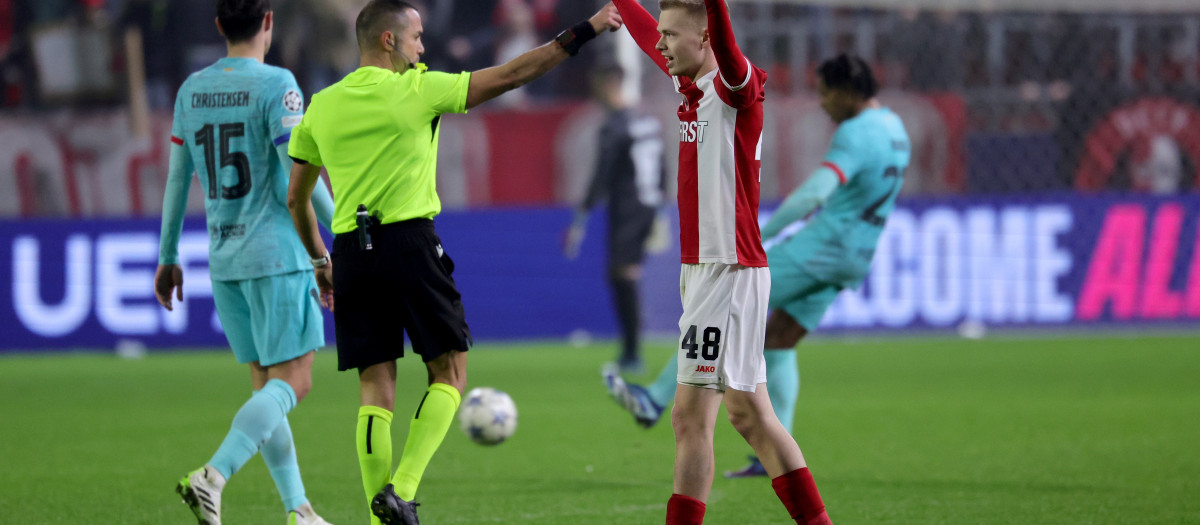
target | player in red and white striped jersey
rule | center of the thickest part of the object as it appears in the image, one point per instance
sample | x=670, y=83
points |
x=724, y=281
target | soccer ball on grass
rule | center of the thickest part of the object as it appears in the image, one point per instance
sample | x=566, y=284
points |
x=488, y=416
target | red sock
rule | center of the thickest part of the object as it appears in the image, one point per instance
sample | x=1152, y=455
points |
x=799, y=495
x=684, y=510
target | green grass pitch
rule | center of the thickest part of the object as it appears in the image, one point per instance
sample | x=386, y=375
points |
x=922, y=431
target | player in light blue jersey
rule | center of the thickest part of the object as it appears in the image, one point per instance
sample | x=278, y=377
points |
x=855, y=189
x=231, y=127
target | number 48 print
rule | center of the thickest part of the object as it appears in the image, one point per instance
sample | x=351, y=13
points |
x=711, y=347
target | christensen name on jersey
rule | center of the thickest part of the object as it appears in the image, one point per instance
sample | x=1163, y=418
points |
x=225, y=99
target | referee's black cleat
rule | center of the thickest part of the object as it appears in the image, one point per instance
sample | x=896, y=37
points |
x=391, y=510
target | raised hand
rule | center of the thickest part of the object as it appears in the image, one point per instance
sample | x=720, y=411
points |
x=607, y=19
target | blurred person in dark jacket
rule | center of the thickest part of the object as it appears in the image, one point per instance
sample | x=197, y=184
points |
x=631, y=177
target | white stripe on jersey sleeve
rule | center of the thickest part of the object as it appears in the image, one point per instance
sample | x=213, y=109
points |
x=749, y=73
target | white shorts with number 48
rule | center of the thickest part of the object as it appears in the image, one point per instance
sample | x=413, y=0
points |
x=724, y=325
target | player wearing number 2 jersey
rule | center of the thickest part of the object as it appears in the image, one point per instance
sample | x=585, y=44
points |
x=231, y=126
x=855, y=188
x=724, y=282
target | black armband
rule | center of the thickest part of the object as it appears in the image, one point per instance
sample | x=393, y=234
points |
x=301, y=162
x=574, y=38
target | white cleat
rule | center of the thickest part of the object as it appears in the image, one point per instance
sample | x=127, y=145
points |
x=305, y=515
x=633, y=398
x=201, y=491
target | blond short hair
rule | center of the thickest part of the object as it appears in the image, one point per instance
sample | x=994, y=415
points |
x=692, y=6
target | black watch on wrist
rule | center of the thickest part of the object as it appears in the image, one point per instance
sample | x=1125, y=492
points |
x=565, y=37
x=574, y=38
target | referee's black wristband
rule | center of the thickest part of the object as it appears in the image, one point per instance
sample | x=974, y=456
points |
x=575, y=37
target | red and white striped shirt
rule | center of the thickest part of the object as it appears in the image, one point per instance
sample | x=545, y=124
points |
x=720, y=144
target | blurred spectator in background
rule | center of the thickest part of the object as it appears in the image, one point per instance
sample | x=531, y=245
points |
x=570, y=80
x=629, y=175
x=321, y=50
x=16, y=72
x=72, y=52
x=545, y=15
x=50, y=11
x=149, y=18
x=515, y=20
x=925, y=52
x=177, y=40
x=470, y=34
x=189, y=29
x=480, y=33
x=8, y=13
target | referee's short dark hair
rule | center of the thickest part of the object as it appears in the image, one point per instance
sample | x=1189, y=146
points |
x=372, y=20
x=851, y=73
x=241, y=19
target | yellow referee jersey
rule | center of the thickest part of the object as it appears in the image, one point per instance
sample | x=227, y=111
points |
x=376, y=134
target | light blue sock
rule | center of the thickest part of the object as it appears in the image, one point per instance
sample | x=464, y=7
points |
x=252, y=426
x=783, y=384
x=662, y=390
x=279, y=453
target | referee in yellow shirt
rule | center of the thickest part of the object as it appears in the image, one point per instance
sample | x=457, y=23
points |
x=376, y=133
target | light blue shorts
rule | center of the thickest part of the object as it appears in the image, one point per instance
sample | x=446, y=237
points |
x=796, y=291
x=270, y=319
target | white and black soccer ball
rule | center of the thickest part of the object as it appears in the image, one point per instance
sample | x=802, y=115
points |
x=488, y=416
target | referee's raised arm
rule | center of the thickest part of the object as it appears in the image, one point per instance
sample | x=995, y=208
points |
x=492, y=82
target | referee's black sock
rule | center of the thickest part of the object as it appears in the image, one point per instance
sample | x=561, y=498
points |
x=625, y=295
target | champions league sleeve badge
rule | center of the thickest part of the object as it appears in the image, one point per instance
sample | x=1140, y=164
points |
x=292, y=101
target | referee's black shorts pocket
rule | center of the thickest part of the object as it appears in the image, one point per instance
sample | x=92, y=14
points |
x=447, y=262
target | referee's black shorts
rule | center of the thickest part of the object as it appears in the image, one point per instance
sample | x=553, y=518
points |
x=403, y=284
